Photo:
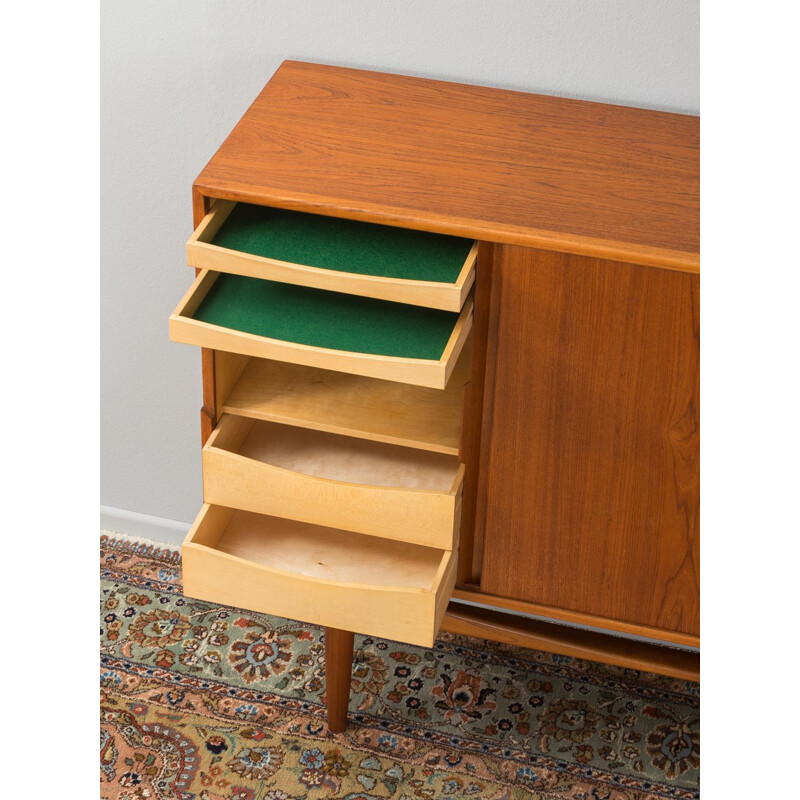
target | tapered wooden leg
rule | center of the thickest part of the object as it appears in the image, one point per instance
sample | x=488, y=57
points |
x=338, y=674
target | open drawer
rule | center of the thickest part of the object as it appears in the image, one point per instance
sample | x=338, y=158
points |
x=340, y=255
x=319, y=575
x=367, y=408
x=381, y=489
x=317, y=328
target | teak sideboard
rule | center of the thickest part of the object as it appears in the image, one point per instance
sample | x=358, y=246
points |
x=450, y=350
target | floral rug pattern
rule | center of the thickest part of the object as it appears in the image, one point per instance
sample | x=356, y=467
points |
x=204, y=702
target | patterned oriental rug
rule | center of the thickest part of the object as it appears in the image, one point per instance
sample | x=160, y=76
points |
x=203, y=702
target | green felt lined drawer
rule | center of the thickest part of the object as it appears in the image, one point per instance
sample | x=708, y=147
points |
x=340, y=255
x=317, y=328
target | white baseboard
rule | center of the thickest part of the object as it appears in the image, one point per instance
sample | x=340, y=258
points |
x=145, y=526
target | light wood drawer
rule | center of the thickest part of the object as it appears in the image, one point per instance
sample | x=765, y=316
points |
x=364, y=486
x=340, y=255
x=316, y=328
x=368, y=408
x=323, y=576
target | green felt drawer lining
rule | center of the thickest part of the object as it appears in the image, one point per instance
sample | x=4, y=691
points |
x=344, y=245
x=326, y=319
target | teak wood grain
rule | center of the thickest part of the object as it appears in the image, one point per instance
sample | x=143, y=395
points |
x=471, y=415
x=592, y=469
x=208, y=412
x=497, y=627
x=512, y=167
x=338, y=674
x=472, y=594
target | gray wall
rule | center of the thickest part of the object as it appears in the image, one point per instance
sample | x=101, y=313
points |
x=177, y=75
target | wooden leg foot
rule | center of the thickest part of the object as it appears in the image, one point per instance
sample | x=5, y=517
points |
x=338, y=674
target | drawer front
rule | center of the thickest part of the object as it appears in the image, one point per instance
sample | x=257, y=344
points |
x=419, y=516
x=259, y=563
x=433, y=338
x=260, y=242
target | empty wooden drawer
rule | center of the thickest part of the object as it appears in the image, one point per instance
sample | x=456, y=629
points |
x=367, y=408
x=359, y=335
x=341, y=255
x=338, y=481
x=319, y=575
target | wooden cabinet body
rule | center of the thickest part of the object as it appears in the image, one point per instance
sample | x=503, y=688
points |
x=588, y=485
x=579, y=432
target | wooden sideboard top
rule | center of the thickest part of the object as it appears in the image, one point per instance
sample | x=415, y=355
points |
x=567, y=175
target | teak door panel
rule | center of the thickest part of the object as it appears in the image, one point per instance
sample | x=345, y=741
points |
x=590, y=452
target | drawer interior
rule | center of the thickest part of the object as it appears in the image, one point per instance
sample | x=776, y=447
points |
x=342, y=245
x=326, y=554
x=319, y=328
x=330, y=320
x=338, y=458
x=354, y=405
